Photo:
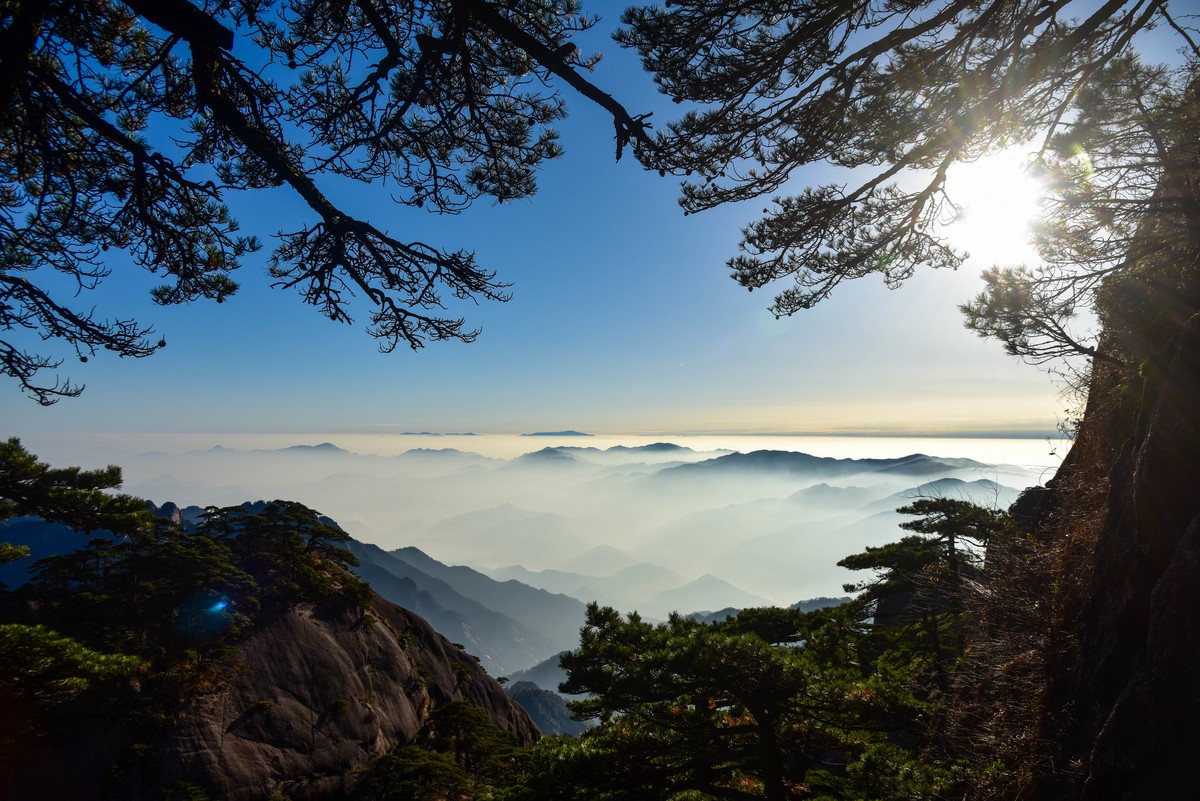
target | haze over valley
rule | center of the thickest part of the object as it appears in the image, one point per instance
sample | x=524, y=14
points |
x=635, y=522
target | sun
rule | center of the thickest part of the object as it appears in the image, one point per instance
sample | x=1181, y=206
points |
x=999, y=201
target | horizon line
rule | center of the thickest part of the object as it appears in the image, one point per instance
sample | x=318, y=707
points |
x=1017, y=433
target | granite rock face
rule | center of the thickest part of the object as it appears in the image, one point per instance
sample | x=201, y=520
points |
x=1131, y=701
x=316, y=693
x=323, y=691
x=1137, y=691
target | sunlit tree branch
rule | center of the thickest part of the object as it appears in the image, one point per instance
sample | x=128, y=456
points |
x=900, y=92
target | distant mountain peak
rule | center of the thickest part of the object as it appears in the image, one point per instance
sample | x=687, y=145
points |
x=550, y=454
x=411, y=550
x=933, y=488
x=799, y=463
x=706, y=593
x=654, y=447
x=324, y=447
x=567, y=433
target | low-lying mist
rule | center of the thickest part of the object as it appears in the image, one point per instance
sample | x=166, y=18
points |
x=654, y=527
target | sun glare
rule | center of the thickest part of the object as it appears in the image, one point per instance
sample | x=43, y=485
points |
x=998, y=201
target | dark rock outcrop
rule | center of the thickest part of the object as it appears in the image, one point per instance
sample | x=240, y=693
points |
x=1124, y=713
x=315, y=693
x=1136, y=691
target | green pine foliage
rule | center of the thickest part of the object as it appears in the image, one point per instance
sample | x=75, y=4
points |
x=566, y=769
x=80, y=499
x=159, y=588
x=144, y=603
x=461, y=754
x=722, y=711
x=11, y=553
x=916, y=596
x=42, y=666
x=412, y=773
x=292, y=552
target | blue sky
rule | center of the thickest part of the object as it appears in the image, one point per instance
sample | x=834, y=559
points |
x=623, y=319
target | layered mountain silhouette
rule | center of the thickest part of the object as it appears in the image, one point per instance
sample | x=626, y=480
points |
x=508, y=625
x=797, y=463
x=570, y=517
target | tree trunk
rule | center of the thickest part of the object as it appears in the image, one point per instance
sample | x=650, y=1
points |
x=771, y=758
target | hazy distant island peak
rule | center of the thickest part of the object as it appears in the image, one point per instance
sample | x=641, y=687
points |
x=438, y=434
x=443, y=452
x=567, y=433
x=324, y=447
x=652, y=447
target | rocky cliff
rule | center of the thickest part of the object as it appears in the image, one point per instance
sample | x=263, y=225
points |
x=314, y=693
x=1123, y=707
